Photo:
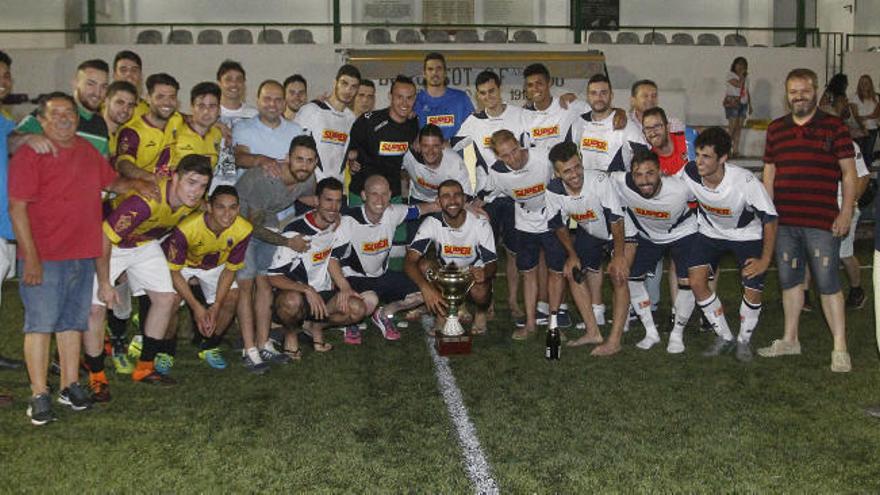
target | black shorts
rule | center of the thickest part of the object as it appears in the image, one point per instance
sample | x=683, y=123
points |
x=708, y=252
x=529, y=246
x=390, y=287
x=591, y=250
x=501, y=212
x=649, y=253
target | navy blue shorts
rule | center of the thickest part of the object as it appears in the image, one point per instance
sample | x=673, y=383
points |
x=591, y=250
x=648, y=254
x=391, y=286
x=708, y=251
x=501, y=212
x=528, y=249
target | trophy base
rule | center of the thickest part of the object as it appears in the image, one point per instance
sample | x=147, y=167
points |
x=450, y=345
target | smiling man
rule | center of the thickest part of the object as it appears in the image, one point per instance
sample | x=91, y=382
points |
x=437, y=103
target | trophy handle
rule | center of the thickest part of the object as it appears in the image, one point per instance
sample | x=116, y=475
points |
x=431, y=275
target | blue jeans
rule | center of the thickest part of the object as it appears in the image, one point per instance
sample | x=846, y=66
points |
x=796, y=246
x=63, y=299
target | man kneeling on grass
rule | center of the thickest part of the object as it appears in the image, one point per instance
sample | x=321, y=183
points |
x=461, y=238
x=210, y=246
x=303, y=282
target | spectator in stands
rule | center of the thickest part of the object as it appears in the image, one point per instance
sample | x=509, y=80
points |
x=866, y=110
x=737, y=101
x=296, y=94
x=807, y=153
x=365, y=99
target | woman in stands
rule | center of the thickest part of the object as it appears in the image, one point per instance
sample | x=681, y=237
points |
x=866, y=110
x=737, y=101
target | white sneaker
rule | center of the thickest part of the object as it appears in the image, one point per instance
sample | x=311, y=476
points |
x=649, y=341
x=676, y=344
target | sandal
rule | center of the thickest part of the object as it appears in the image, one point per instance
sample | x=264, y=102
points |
x=294, y=354
x=322, y=346
x=475, y=330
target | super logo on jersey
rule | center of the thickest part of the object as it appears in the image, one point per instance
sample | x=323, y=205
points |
x=529, y=192
x=442, y=120
x=593, y=144
x=656, y=214
x=376, y=247
x=334, y=137
x=320, y=256
x=451, y=251
x=586, y=216
x=539, y=133
x=393, y=148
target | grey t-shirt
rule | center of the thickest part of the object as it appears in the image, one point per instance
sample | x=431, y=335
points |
x=262, y=197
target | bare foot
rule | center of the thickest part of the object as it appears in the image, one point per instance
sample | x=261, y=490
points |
x=606, y=349
x=516, y=312
x=520, y=334
x=480, y=325
x=585, y=339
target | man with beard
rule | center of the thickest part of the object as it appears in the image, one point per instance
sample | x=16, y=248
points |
x=329, y=123
x=660, y=221
x=307, y=290
x=89, y=89
x=808, y=152
x=379, y=139
x=437, y=103
x=461, y=238
x=142, y=150
x=433, y=164
x=118, y=109
x=263, y=197
x=670, y=147
x=296, y=94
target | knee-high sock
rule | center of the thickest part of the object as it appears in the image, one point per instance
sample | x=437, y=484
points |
x=711, y=307
x=684, y=306
x=641, y=303
x=748, y=317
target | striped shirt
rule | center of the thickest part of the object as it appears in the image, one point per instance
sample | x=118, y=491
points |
x=807, y=168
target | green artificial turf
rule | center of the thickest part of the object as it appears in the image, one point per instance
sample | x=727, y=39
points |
x=371, y=419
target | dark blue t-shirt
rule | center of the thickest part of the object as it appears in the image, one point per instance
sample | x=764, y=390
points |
x=447, y=112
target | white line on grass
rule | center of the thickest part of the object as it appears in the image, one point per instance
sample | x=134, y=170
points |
x=477, y=466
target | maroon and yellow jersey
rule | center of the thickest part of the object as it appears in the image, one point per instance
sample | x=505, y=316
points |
x=147, y=146
x=193, y=245
x=137, y=220
x=190, y=142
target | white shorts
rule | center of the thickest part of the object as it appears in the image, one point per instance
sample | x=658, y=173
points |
x=846, y=244
x=146, y=267
x=208, y=280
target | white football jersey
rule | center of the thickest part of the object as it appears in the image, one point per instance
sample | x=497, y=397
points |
x=472, y=244
x=331, y=130
x=594, y=209
x=424, y=180
x=665, y=218
x=527, y=187
x=736, y=210
x=309, y=267
x=548, y=127
x=478, y=128
x=363, y=248
x=601, y=146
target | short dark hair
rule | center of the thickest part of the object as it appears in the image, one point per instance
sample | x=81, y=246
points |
x=5, y=59
x=368, y=83
x=642, y=155
x=638, y=84
x=562, y=152
x=486, y=76
x=295, y=78
x=161, y=78
x=401, y=79
x=536, y=69
x=304, y=140
x=450, y=183
x=44, y=100
x=197, y=164
x=127, y=55
x=223, y=189
x=202, y=89
x=348, y=70
x=656, y=111
x=268, y=82
x=331, y=183
x=230, y=65
x=736, y=61
x=94, y=63
x=598, y=78
x=434, y=56
x=430, y=130
x=117, y=86
x=717, y=138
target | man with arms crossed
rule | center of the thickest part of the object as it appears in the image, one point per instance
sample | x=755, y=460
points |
x=807, y=153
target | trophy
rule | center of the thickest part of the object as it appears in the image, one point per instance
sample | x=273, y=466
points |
x=454, y=284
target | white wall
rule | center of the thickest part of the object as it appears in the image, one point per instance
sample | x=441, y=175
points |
x=692, y=77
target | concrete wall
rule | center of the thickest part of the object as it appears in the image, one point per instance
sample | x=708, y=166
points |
x=692, y=78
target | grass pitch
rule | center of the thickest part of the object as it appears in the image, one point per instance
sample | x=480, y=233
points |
x=371, y=419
